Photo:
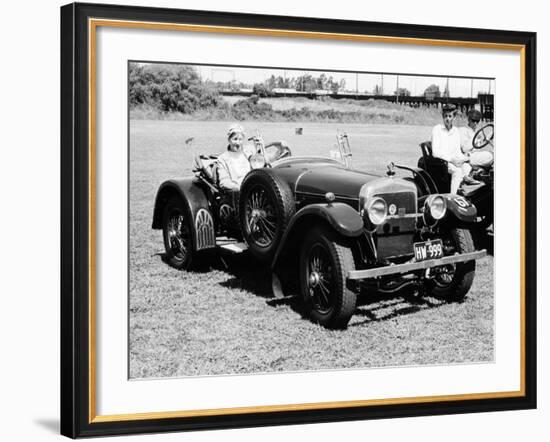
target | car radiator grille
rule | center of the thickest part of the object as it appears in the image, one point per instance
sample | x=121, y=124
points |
x=395, y=236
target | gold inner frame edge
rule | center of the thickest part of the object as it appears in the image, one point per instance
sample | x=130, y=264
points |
x=93, y=23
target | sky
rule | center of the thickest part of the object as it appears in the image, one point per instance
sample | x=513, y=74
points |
x=363, y=82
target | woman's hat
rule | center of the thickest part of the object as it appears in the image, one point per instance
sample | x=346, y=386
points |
x=233, y=129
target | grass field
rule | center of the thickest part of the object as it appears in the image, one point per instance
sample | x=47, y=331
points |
x=222, y=320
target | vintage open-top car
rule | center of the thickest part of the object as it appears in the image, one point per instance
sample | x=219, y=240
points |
x=326, y=230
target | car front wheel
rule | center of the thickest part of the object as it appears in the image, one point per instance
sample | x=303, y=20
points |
x=325, y=261
x=452, y=282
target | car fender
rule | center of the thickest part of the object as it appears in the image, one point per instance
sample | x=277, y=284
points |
x=343, y=218
x=460, y=208
x=196, y=204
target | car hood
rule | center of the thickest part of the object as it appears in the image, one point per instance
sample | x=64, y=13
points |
x=319, y=176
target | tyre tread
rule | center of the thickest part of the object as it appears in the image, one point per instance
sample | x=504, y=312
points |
x=192, y=258
x=462, y=282
x=349, y=301
x=343, y=258
x=285, y=202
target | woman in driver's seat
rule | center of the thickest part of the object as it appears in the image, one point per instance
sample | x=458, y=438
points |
x=234, y=164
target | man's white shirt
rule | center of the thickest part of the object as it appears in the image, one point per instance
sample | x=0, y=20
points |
x=446, y=144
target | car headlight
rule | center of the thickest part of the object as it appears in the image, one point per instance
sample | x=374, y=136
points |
x=435, y=208
x=377, y=210
x=257, y=161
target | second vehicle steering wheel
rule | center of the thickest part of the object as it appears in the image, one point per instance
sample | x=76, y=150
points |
x=483, y=136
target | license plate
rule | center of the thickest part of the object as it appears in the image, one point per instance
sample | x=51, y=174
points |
x=428, y=250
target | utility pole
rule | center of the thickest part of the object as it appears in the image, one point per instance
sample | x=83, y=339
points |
x=397, y=91
x=382, y=85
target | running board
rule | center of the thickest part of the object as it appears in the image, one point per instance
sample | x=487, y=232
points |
x=234, y=247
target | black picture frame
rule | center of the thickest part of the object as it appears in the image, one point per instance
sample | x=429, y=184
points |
x=76, y=384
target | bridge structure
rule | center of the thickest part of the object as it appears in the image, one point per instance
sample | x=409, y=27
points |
x=483, y=102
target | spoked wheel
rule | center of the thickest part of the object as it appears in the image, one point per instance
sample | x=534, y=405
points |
x=452, y=282
x=177, y=235
x=324, y=265
x=266, y=205
x=260, y=216
x=321, y=279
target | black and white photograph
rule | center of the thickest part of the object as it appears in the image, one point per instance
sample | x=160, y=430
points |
x=291, y=220
x=274, y=221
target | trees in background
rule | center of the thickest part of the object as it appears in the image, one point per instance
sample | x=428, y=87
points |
x=179, y=88
x=432, y=91
x=402, y=92
x=262, y=90
x=170, y=88
x=304, y=83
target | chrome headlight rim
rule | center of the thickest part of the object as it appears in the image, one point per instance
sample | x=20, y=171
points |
x=435, y=208
x=368, y=208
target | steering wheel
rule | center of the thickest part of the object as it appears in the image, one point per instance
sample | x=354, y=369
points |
x=483, y=136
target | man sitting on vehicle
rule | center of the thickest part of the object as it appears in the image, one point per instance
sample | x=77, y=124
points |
x=446, y=146
x=478, y=157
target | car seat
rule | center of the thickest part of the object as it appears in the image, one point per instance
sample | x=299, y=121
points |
x=206, y=167
x=436, y=168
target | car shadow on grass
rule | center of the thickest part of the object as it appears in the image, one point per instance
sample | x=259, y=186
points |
x=247, y=274
x=484, y=240
x=250, y=275
x=206, y=262
x=380, y=307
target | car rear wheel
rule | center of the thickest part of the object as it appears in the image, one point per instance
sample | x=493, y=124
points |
x=452, y=282
x=176, y=230
x=325, y=261
x=266, y=206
